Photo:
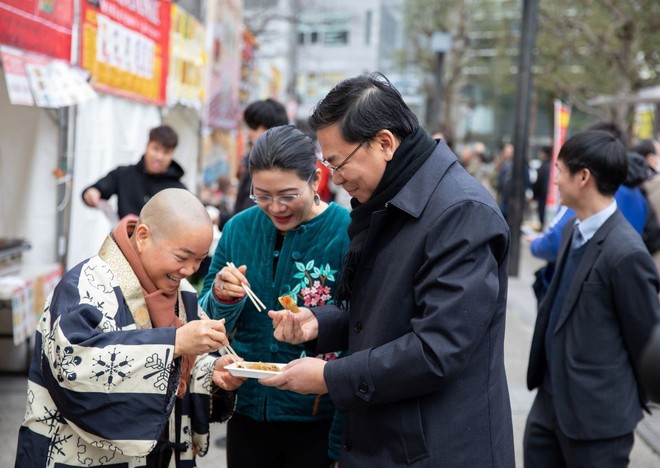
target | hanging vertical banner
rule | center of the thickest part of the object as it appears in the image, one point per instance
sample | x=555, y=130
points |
x=247, y=84
x=40, y=26
x=562, y=119
x=125, y=47
x=186, y=82
x=225, y=33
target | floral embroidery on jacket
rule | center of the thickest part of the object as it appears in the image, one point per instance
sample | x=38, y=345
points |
x=312, y=288
x=313, y=291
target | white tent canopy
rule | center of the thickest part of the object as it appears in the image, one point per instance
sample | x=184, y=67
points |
x=644, y=95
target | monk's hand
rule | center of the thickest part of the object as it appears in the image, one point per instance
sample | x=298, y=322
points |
x=199, y=337
x=222, y=377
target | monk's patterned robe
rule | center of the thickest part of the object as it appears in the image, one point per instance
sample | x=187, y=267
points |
x=102, y=384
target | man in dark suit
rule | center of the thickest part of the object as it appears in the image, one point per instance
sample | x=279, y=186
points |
x=592, y=326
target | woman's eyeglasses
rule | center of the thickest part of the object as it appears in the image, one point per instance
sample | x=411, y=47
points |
x=281, y=199
x=334, y=168
x=286, y=199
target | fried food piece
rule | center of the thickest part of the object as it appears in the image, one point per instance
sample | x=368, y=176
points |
x=258, y=366
x=289, y=303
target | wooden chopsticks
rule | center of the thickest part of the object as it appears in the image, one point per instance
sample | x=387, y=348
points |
x=232, y=353
x=260, y=306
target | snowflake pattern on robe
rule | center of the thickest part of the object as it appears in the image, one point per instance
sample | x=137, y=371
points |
x=65, y=362
x=112, y=367
x=52, y=418
x=57, y=444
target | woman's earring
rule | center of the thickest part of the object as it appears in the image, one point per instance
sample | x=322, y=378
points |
x=317, y=199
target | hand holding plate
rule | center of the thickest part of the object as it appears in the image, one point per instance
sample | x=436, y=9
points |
x=303, y=376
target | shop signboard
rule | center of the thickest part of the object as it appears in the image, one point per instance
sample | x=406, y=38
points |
x=187, y=75
x=36, y=80
x=225, y=31
x=42, y=26
x=125, y=47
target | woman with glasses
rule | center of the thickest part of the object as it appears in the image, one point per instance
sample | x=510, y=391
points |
x=290, y=243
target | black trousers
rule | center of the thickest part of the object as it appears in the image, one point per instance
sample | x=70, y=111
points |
x=546, y=446
x=277, y=444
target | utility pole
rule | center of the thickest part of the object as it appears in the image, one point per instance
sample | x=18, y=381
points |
x=521, y=132
x=440, y=45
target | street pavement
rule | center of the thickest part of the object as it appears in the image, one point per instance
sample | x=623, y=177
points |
x=521, y=311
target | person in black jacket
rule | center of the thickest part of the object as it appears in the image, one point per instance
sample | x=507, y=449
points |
x=540, y=187
x=134, y=185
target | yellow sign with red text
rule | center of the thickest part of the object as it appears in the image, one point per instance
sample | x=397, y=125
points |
x=125, y=47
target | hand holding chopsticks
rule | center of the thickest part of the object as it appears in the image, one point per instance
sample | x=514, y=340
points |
x=260, y=306
x=228, y=284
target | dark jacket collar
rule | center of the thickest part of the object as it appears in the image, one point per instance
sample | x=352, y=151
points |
x=414, y=196
x=175, y=171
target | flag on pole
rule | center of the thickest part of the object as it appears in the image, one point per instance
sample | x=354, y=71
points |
x=562, y=119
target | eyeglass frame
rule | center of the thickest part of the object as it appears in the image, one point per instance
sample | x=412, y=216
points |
x=334, y=168
x=278, y=198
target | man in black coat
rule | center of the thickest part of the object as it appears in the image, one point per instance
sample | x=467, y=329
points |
x=134, y=185
x=421, y=300
x=594, y=321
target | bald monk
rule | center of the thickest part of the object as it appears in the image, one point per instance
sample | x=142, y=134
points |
x=122, y=374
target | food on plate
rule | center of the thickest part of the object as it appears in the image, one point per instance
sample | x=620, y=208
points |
x=258, y=366
x=289, y=303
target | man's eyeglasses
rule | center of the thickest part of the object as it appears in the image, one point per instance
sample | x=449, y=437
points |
x=286, y=199
x=334, y=168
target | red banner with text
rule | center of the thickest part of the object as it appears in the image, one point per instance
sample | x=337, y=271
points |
x=125, y=47
x=40, y=26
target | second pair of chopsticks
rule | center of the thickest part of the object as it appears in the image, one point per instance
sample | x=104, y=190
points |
x=232, y=353
x=260, y=306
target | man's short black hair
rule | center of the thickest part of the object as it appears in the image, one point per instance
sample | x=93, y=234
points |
x=362, y=106
x=601, y=153
x=165, y=135
x=267, y=113
x=610, y=127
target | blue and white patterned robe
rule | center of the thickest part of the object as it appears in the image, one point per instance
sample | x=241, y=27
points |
x=102, y=384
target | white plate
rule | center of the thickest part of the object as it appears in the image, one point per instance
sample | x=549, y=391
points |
x=237, y=371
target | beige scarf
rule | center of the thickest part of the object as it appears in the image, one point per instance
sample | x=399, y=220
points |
x=161, y=305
